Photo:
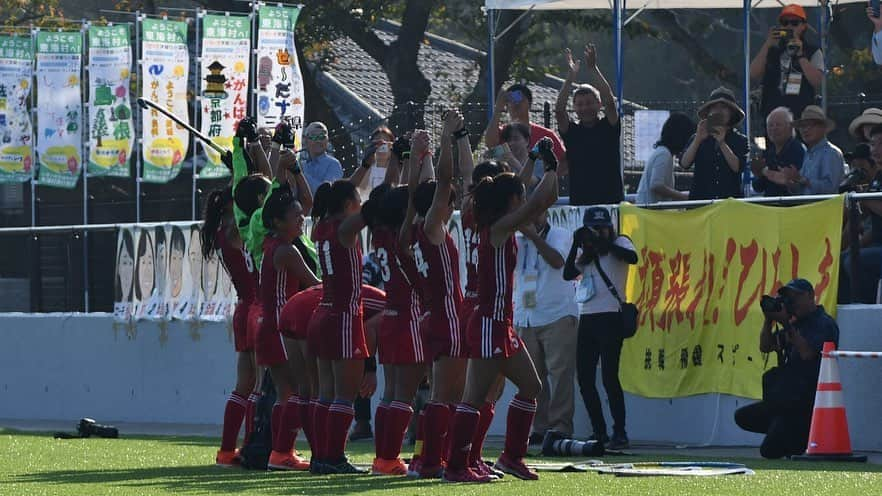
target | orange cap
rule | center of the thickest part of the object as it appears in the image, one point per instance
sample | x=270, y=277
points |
x=793, y=10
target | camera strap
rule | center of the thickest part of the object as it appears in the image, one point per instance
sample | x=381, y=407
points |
x=609, y=284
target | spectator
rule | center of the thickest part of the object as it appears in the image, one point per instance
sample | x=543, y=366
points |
x=545, y=318
x=876, y=40
x=860, y=128
x=783, y=150
x=784, y=415
x=514, y=150
x=600, y=321
x=593, y=141
x=823, y=166
x=318, y=167
x=788, y=68
x=381, y=145
x=657, y=183
x=718, y=151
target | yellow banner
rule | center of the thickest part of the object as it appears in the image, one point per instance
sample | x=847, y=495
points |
x=698, y=283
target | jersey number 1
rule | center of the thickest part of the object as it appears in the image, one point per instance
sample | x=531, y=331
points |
x=326, y=257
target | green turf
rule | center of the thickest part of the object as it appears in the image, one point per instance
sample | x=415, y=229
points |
x=36, y=464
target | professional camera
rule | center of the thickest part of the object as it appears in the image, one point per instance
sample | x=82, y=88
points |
x=774, y=304
x=88, y=427
x=853, y=181
x=785, y=40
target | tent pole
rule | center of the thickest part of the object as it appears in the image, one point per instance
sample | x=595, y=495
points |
x=618, y=14
x=491, y=60
x=746, y=92
x=822, y=33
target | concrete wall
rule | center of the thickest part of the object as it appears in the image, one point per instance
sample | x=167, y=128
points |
x=63, y=367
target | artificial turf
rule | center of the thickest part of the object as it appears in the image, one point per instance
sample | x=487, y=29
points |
x=37, y=464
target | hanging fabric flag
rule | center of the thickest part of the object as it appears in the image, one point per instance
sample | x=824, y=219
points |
x=165, y=62
x=16, y=136
x=110, y=111
x=59, y=108
x=226, y=51
x=279, y=82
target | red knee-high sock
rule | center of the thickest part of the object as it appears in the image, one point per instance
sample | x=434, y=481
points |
x=487, y=413
x=419, y=437
x=464, y=425
x=284, y=440
x=340, y=415
x=276, y=420
x=397, y=418
x=448, y=439
x=234, y=413
x=320, y=429
x=437, y=423
x=307, y=410
x=381, y=428
x=249, y=415
x=518, y=424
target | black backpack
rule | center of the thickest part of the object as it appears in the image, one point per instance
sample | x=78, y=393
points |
x=255, y=454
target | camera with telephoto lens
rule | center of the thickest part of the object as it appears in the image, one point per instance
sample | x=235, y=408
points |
x=88, y=428
x=774, y=304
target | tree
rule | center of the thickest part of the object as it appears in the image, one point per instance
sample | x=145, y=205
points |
x=99, y=131
x=24, y=12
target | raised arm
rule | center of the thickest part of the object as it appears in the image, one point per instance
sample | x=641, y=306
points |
x=366, y=162
x=491, y=135
x=560, y=107
x=434, y=225
x=701, y=134
x=571, y=272
x=419, y=144
x=464, y=157
x=294, y=177
x=544, y=197
x=610, y=109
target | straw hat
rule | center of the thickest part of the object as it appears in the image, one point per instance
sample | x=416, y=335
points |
x=815, y=113
x=725, y=96
x=871, y=116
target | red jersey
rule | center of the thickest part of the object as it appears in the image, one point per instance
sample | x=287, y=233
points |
x=341, y=268
x=470, y=240
x=399, y=283
x=276, y=286
x=238, y=264
x=438, y=270
x=496, y=278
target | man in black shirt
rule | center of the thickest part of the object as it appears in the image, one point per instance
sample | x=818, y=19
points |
x=718, y=151
x=592, y=142
x=785, y=413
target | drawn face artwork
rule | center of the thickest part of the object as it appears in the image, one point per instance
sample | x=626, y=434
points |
x=176, y=262
x=161, y=259
x=194, y=252
x=145, y=265
x=125, y=267
x=209, y=276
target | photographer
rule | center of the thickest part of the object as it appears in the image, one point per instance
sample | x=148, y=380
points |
x=788, y=68
x=601, y=258
x=784, y=415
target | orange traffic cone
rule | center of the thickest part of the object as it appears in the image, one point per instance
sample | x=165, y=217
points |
x=828, y=437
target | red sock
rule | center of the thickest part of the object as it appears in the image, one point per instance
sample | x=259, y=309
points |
x=234, y=413
x=340, y=415
x=487, y=413
x=380, y=428
x=464, y=425
x=276, y=420
x=307, y=410
x=418, y=438
x=437, y=420
x=518, y=424
x=448, y=439
x=249, y=415
x=396, y=427
x=284, y=440
x=320, y=429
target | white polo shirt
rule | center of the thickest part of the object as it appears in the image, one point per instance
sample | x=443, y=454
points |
x=617, y=272
x=555, y=297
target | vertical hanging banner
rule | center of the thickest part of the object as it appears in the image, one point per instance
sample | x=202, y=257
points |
x=16, y=136
x=59, y=107
x=226, y=51
x=165, y=61
x=110, y=111
x=279, y=82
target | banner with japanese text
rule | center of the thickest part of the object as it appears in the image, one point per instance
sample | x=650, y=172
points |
x=698, y=283
x=226, y=52
x=165, y=62
x=111, y=132
x=16, y=134
x=59, y=107
x=279, y=82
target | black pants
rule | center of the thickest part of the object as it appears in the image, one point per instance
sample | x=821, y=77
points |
x=786, y=431
x=599, y=341
x=362, y=407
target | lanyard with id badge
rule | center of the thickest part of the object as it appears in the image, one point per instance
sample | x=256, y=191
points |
x=530, y=278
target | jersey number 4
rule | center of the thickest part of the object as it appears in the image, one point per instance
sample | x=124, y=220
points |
x=421, y=265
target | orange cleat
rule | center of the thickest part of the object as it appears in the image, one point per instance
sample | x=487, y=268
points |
x=227, y=459
x=388, y=467
x=287, y=461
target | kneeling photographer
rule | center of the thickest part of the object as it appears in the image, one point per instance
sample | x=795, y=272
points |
x=801, y=328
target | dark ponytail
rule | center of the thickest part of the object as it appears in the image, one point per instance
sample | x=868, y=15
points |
x=492, y=196
x=248, y=192
x=386, y=207
x=213, y=215
x=489, y=168
x=371, y=209
x=276, y=207
x=330, y=198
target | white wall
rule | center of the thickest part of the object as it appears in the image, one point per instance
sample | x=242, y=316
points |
x=63, y=367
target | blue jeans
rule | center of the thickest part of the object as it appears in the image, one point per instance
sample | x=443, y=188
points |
x=870, y=271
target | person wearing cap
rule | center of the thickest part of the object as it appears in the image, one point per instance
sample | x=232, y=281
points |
x=785, y=413
x=860, y=127
x=318, y=167
x=824, y=165
x=787, y=67
x=718, y=152
x=597, y=248
x=783, y=150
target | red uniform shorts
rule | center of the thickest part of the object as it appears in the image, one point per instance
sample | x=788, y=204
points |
x=400, y=340
x=255, y=319
x=335, y=335
x=242, y=340
x=469, y=304
x=444, y=336
x=269, y=345
x=489, y=338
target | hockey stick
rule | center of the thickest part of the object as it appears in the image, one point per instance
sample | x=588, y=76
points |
x=145, y=103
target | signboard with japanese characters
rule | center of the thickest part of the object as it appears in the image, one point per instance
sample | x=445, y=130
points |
x=59, y=107
x=226, y=51
x=279, y=82
x=16, y=134
x=111, y=133
x=165, y=61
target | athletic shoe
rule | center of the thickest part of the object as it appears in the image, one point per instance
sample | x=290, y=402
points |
x=318, y=468
x=227, y=459
x=430, y=472
x=600, y=438
x=287, y=461
x=619, y=441
x=344, y=467
x=388, y=467
x=413, y=470
x=516, y=468
x=483, y=468
x=465, y=475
